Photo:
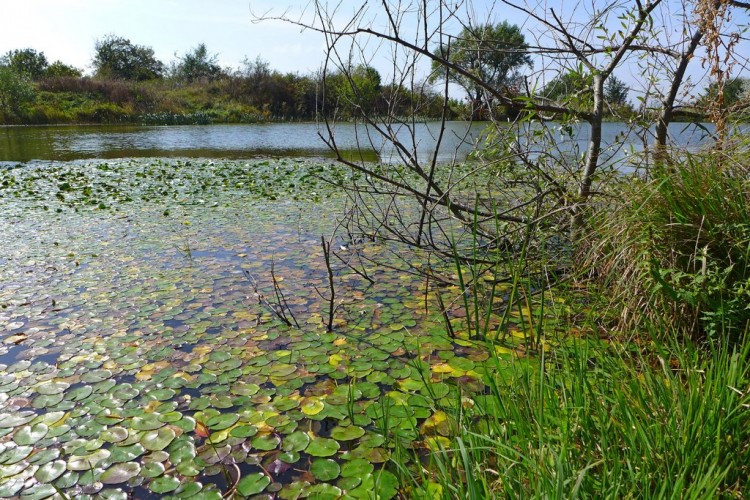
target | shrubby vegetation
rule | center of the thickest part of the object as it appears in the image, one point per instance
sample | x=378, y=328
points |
x=129, y=85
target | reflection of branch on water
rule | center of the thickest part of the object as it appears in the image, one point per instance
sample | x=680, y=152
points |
x=280, y=308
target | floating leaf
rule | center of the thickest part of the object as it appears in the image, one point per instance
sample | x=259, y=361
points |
x=15, y=419
x=252, y=484
x=312, y=406
x=30, y=435
x=357, y=467
x=243, y=431
x=158, y=439
x=88, y=462
x=51, y=387
x=50, y=471
x=119, y=473
x=322, y=447
x=325, y=469
x=348, y=433
x=267, y=442
x=114, y=434
x=164, y=484
x=223, y=421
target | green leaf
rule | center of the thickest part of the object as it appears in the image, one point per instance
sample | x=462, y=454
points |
x=253, y=484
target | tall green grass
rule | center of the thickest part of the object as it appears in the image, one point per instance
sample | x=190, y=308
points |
x=593, y=422
x=675, y=249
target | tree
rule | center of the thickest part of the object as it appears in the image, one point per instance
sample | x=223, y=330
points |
x=26, y=62
x=616, y=92
x=534, y=179
x=117, y=57
x=15, y=91
x=493, y=53
x=734, y=93
x=198, y=65
x=60, y=69
x=572, y=88
x=358, y=89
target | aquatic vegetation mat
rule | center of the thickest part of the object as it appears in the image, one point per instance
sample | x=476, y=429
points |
x=136, y=359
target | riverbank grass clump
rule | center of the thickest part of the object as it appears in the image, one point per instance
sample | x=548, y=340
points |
x=674, y=250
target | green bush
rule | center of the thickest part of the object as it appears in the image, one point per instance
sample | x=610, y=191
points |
x=676, y=248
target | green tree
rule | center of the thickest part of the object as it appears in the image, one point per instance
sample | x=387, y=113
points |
x=615, y=92
x=15, y=91
x=117, y=57
x=361, y=89
x=571, y=87
x=736, y=90
x=58, y=68
x=198, y=65
x=493, y=53
x=26, y=62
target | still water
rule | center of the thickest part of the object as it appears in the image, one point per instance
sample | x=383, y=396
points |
x=21, y=144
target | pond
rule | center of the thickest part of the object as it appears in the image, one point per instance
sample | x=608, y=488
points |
x=143, y=346
x=263, y=140
x=140, y=354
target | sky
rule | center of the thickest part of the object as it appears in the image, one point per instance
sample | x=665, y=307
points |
x=67, y=30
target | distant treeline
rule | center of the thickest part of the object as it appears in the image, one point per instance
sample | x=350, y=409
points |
x=129, y=85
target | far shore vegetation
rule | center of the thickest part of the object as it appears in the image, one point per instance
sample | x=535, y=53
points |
x=128, y=85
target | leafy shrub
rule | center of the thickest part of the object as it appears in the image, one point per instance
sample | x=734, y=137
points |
x=676, y=248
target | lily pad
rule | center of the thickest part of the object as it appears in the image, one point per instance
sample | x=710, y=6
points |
x=322, y=447
x=121, y=472
x=50, y=471
x=88, y=462
x=30, y=435
x=252, y=484
x=266, y=442
x=8, y=420
x=164, y=484
x=222, y=421
x=158, y=439
x=325, y=469
x=348, y=433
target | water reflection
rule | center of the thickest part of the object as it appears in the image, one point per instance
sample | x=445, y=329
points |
x=64, y=143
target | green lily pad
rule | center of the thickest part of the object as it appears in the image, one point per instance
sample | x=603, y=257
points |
x=243, y=431
x=120, y=472
x=189, y=468
x=222, y=421
x=50, y=471
x=164, y=484
x=114, y=434
x=88, y=462
x=39, y=492
x=325, y=469
x=252, y=484
x=347, y=433
x=8, y=420
x=30, y=434
x=158, y=439
x=356, y=468
x=322, y=447
x=51, y=387
x=129, y=453
x=147, y=423
x=296, y=441
x=312, y=406
x=152, y=469
x=266, y=442
x=44, y=456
